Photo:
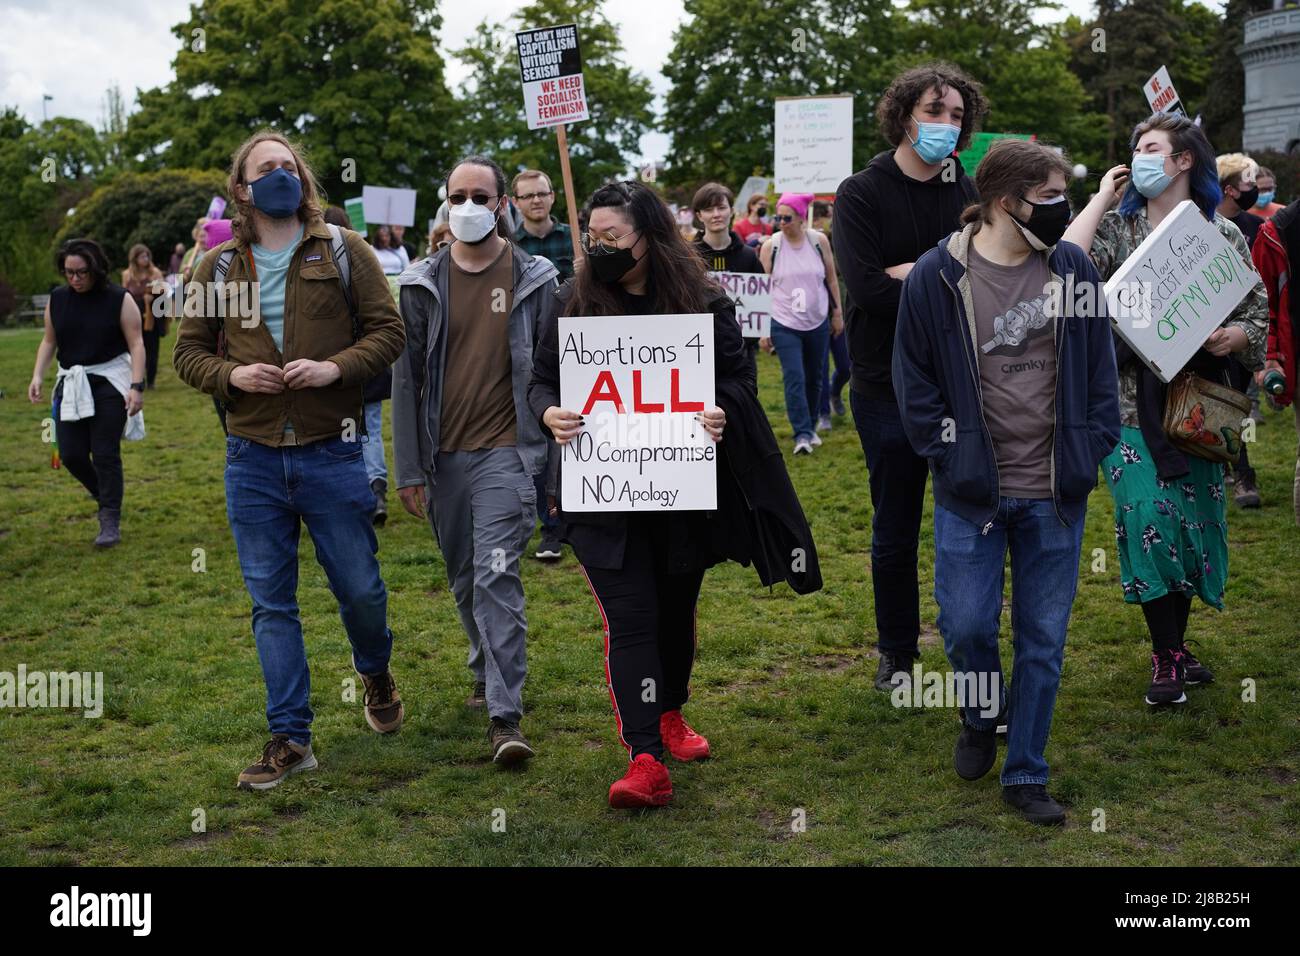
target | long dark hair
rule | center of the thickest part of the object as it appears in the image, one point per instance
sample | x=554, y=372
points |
x=1203, y=177
x=677, y=281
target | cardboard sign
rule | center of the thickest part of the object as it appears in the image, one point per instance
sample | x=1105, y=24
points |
x=813, y=143
x=752, y=293
x=1161, y=93
x=392, y=207
x=638, y=381
x=550, y=68
x=356, y=211
x=1175, y=289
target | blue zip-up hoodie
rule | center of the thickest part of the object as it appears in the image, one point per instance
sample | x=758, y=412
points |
x=937, y=381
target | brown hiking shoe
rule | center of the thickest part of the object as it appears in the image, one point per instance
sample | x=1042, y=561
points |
x=280, y=758
x=508, y=744
x=477, y=698
x=384, y=709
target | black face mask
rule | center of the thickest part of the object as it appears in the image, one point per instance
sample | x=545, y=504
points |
x=611, y=266
x=762, y=211
x=1246, y=197
x=1046, y=225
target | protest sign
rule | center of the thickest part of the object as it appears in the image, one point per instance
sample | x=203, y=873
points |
x=752, y=293
x=356, y=211
x=216, y=208
x=1175, y=289
x=638, y=381
x=550, y=68
x=813, y=143
x=979, y=146
x=1161, y=93
x=385, y=206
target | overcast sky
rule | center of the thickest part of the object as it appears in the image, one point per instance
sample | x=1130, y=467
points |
x=74, y=50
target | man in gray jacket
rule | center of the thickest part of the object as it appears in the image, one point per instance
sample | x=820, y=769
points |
x=464, y=440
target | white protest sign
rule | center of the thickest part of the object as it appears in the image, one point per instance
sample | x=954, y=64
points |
x=638, y=381
x=1161, y=93
x=550, y=68
x=384, y=206
x=752, y=293
x=1175, y=289
x=813, y=143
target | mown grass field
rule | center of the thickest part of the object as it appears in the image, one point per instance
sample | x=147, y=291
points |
x=782, y=689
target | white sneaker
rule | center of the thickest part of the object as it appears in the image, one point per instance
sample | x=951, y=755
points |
x=803, y=447
x=824, y=423
x=815, y=440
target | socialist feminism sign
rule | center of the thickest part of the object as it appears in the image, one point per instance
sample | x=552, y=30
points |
x=638, y=381
x=752, y=294
x=1175, y=289
x=550, y=68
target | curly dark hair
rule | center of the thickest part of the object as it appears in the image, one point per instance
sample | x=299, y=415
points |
x=91, y=252
x=896, y=105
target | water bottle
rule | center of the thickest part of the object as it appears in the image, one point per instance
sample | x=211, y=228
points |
x=1274, y=382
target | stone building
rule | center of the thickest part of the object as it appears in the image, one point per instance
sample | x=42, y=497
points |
x=1270, y=56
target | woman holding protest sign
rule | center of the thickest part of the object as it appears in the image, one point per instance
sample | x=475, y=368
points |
x=1170, y=510
x=644, y=569
x=805, y=311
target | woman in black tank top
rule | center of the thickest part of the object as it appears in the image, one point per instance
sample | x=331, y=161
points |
x=90, y=322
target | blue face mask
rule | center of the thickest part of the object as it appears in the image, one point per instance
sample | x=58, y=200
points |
x=1264, y=199
x=278, y=194
x=934, y=141
x=1148, y=172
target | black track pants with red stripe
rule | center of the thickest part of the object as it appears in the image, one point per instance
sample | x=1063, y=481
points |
x=649, y=619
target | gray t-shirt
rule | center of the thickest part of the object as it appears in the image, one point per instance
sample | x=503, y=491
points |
x=1017, y=361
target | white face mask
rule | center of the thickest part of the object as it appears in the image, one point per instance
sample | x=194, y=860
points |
x=471, y=222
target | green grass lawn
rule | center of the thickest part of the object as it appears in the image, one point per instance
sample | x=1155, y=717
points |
x=782, y=689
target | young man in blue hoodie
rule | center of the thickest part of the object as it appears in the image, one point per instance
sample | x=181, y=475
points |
x=1005, y=375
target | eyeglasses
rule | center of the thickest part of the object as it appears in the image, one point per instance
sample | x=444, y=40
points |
x=782, y=219
x=480, y=199
x=592, y=244
x=76, y=273
x=537, y=195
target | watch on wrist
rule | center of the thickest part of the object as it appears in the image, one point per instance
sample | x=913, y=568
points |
x=138, y=386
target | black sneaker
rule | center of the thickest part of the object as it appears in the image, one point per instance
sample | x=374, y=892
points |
x=477, y=697
x=1167, y=675
x=379, y=516
x=1194, y=672
x=892, y=665
x=508, y=744
x=976, y=751
x=1034, y=804
x=549, y=548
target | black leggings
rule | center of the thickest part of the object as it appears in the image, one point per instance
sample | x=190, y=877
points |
x=649, y=618
x=1240, y=379
x=91, y=447
x=1167, y=620
x=151, y=342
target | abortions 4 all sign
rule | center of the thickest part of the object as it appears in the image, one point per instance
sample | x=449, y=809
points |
x=638, y=381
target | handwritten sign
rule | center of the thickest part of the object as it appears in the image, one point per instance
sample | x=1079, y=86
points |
x=752, y=293
x=384, y=206
x=1161, y=93
x=813, y=143
x=1175, y=289
x=638, y=381
x=550, y=68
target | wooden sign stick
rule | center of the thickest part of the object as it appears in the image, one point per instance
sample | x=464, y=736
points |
x=570, y=201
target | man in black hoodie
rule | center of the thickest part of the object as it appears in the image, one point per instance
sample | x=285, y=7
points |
x=886, y=217
x=722, y=249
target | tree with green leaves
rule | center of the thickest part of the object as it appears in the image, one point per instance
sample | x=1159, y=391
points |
x=491, y=104
x=359, y=84
x=727, y=66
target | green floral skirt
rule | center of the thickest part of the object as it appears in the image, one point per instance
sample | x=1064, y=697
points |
x=1172, y=535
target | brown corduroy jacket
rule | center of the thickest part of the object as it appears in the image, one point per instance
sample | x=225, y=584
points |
x=317, y=326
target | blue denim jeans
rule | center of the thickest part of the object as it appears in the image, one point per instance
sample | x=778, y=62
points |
x=803, y=362
x=968, y=579
x=834, y=384
x=270, y=493
x=897, y=476
x=372, y=446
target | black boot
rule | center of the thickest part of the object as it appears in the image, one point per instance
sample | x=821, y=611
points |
x=110, y=532
x=380, y=514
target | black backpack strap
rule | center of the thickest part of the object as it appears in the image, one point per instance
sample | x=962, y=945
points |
x=343, y=263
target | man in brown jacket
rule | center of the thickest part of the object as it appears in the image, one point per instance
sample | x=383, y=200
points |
x=288, y=358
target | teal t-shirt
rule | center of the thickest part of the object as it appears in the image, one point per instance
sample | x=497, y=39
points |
x=272, y=268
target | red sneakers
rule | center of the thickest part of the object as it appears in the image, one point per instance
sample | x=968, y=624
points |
x=646, y=784
x=682, y=742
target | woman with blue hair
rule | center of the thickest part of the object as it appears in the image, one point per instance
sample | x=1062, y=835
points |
x=1170, y=508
